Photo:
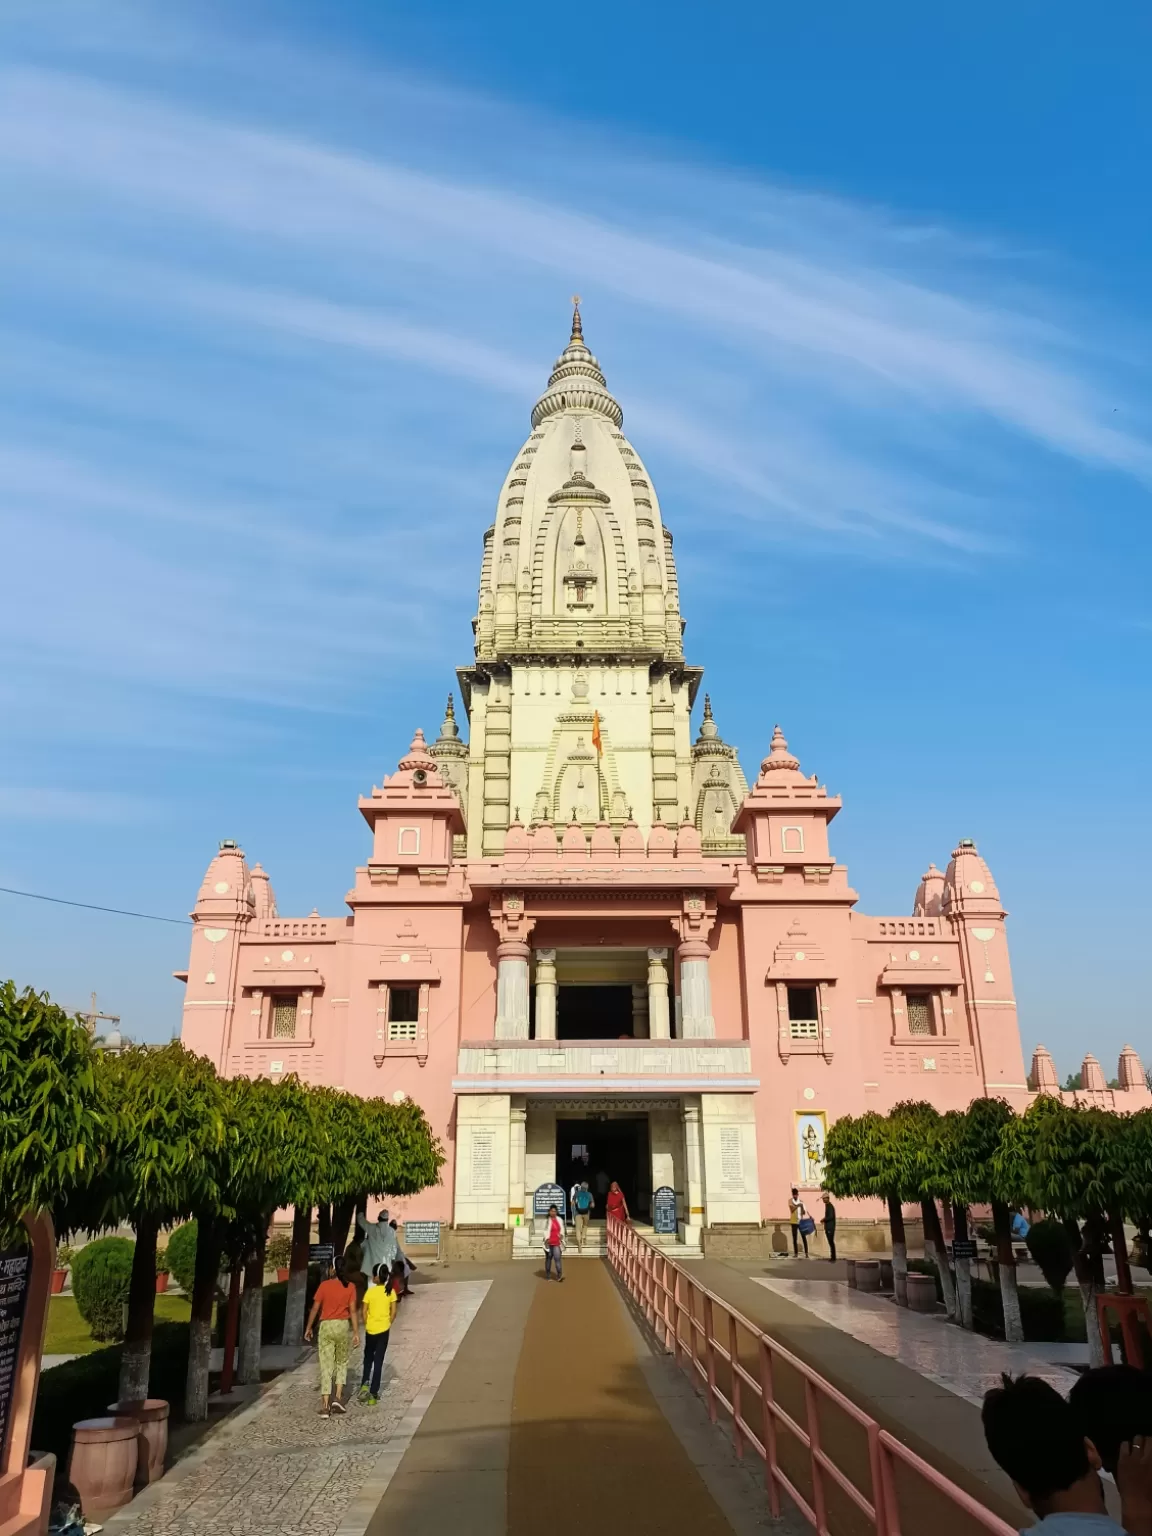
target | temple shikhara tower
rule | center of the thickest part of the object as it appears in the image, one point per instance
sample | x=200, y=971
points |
x=580, y=939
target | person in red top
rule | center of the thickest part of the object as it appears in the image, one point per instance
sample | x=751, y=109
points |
x=553, y=1245
x=617, y=1205
x=336, y=1305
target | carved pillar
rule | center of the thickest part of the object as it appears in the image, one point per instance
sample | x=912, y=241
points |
x=512, y=990
x=545, y=994
x=694, y=1212
x=639, y=1010
x=659, y=1024
x=697, y=1022
x=518, y=1124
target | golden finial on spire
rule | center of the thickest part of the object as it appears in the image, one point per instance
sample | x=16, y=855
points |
x=577, y=326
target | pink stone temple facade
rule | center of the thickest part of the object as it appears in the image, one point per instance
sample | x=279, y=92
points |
x=580, y=940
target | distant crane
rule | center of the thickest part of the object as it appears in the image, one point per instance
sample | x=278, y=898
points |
x=93, y=1017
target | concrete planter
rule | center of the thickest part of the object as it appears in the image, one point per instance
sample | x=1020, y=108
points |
x=868, y=1275
x=850, y=1266
x=151, y=1417
x=58, y=1278
x=161, y=1284
x=102, y=1463
x=887, y=1279
x=282, y=1275
x=921, y=1293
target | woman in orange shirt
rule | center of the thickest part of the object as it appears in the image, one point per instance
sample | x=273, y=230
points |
x=335, y=1304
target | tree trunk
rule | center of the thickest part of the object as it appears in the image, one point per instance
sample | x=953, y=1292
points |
x=136, y=1355
x=963, y=1268
x=899, y=1250
x=324, y=1223
x=1006, y=1264
x=252, y=1315
x=297, y=1293
x=1120, y=1253
x=1085, y=1265
x=933, y=1234
x=200, y=1327
x=342, y=1213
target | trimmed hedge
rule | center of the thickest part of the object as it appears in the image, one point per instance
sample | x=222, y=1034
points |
x=181, y=1256
x=101, y=1273
x=1041, y=1310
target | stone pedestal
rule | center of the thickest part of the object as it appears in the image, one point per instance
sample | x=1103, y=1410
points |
x=867, y=1275
x=921, y=1293
x=696, y=1018
x=152, y=1417
x=512, y=990
x=102, y=1466
x=850, y=1266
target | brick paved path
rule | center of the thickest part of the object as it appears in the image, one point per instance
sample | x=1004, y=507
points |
x=279, y=1469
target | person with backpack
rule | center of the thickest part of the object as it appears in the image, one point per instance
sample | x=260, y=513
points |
x=583, y=1205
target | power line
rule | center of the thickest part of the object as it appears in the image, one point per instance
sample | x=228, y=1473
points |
x=88, y=906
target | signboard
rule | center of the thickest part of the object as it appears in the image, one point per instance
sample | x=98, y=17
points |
x=15, y=1274
x=422, y=1234
x=320, y=1253
x=546, y=1195
x=965, y=1249
x=664, y=1209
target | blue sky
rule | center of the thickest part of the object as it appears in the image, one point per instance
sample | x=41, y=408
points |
x=278, y=285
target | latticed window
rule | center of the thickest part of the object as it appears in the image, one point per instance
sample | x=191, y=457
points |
x=803, y=1013
x=283, y=1018
x=403, y=1012
x=919, y=1006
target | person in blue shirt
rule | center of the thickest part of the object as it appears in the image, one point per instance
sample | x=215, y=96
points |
x=1020, y=1227
x=582, y=1205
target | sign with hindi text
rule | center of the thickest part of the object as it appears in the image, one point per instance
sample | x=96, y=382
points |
x=546, y=1195
x=664, y=1209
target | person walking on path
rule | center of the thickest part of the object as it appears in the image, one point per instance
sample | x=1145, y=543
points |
x=335, y=1306
x=800, y=1218
x=582, y=1204
x=380, y=1244
x=380, y=1303
x=554, y=1245
x=617, y=1205
x=828, y=1222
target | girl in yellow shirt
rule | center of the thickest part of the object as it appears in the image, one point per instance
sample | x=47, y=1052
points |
x=380, y=1302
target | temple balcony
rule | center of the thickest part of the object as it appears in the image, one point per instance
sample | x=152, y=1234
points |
x=599, y=1066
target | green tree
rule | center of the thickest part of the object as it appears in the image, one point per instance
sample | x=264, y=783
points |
x=53, y=1129
x=1070, y=1161
x=914, y=1130
x=968, y=1145
x=862, y=1160
x=167, y=1112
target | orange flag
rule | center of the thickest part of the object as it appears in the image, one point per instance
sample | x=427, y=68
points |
x=596, y=742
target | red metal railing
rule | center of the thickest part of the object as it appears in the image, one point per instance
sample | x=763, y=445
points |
x=702, y=1332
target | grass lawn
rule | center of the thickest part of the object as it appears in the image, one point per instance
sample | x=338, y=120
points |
x=68, y=1332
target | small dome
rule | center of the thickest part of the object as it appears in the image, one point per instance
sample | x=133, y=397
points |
x=576, y=382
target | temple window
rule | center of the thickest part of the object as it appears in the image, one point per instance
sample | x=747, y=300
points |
x=284, y=1008
x=792, y=840
x=403, y=1012
x=803, y=1013
x=408, y=840
x=919, y=1014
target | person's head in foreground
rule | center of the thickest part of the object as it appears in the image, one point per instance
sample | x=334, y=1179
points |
x=1112, y=1405
x=1034, y=1437
x=382, y=1219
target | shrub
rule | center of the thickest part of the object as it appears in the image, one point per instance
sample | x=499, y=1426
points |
x=279, y=1254
x=1050, y=1245
x=181, y=1256
x=101, y=1272
x=1041, y=1311
x=65, y=1253
x=162, y=1265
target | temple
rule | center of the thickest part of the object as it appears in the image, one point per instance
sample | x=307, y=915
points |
x=580, y=939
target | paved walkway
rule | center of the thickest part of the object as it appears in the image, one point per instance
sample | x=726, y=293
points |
x=966, y=1364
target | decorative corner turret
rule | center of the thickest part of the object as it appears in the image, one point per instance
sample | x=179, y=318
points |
x=414, y=816
x=1043, y=1074
x=451, y=755
x=1130, y=1071
x=929, y=893
x=785, y=816
x=718, y=787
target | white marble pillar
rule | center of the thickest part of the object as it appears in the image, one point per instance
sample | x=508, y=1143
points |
x=696, y=1021
x=659, y=1023
x=545, y=994
x=512, y=990
x=694, y=1212
x=639, y=1010
x=517, y=1146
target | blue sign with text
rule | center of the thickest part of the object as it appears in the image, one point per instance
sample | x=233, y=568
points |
x=664, y=1209
x=546, y=1195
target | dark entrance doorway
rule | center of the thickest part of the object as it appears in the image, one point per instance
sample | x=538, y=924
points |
x=593, y=1013
x=603, y=1150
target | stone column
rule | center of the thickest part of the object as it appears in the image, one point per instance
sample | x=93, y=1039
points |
x=659, y=1026
x=697, y=1022
x=639, y=1010
x=545, y=994
x=512, y=990
x=694, y=1212
x=518, y=1126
